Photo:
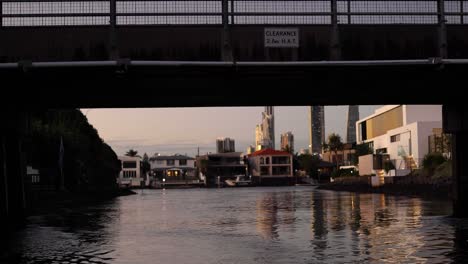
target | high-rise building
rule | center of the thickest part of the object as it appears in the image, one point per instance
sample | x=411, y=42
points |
x=265, y=132
x=353, y=117
x=258, y=137
x=250, y=149
x=317, y=128
x=224, y=145
x=287, y=142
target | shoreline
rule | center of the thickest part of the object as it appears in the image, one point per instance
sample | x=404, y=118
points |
x=427, y=191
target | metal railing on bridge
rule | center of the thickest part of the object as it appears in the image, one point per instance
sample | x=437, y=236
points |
x=32, y=13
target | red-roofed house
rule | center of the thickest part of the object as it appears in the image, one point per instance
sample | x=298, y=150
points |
x=270, y=163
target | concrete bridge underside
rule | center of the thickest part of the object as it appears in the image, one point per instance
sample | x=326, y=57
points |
x=72, y=79
x=178, y=84
x=204, y=43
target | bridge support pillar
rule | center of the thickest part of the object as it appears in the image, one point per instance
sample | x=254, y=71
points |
x=455, y=119
x=13, y=168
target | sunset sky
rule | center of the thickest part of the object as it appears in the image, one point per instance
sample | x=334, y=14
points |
x=182, y=130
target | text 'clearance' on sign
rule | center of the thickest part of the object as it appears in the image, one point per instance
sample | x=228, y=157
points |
x=282, y=37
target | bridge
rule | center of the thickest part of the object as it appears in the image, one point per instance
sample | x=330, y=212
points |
x=174, y=53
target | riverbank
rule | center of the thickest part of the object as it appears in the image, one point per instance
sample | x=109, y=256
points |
x=428, y=191
x=65, y=199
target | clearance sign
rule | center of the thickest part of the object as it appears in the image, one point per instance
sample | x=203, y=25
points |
x=281, y=37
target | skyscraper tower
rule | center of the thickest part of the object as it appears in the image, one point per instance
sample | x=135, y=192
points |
x=287, y=141
x=265, y=132
x=353, y=117
x=224, y=145
x=317, y=128
x=270, y=128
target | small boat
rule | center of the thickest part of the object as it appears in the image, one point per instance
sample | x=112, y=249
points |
x=239, y=181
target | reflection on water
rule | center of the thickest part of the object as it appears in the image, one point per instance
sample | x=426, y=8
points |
x=245, y=225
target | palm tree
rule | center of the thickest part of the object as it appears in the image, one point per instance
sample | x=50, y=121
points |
x=334, y=144
x=131, y=153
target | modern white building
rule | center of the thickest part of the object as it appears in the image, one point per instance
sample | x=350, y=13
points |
x=130, y=175
x=400, y=131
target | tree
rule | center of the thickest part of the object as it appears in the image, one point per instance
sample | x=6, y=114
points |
x=432, y=161
x=308, y=163
x=287, y=148
x=146, y=167
x=361, y=150
x=334, y=144
x=90, y=164
x=131, y=153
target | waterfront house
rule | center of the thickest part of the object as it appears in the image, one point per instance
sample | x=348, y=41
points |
x=269, y=166
x=216, y=168
x=398, y=134
x=173, y=169
x=131, y=174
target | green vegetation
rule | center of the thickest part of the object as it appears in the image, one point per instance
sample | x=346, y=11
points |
x=361, y=150
x=131, y=153
x=308, y=163
x=145, y=165
x=334, y=144
x=443, y=171
x=388, y=165
x=433, y=160
x=88, y=163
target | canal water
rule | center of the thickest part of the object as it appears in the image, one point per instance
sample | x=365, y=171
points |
x=245, y=225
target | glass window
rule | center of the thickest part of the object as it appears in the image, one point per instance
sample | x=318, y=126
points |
x=129, y=164
x=380, y=124
x=395, y=138
x=170, y=162
x=381, y=151
x=182, y=162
